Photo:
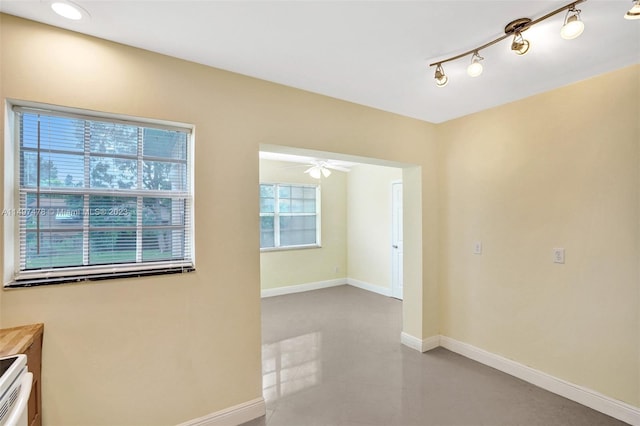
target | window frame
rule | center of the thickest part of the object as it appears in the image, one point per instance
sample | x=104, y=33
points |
x=276, y=218
x=14, y=276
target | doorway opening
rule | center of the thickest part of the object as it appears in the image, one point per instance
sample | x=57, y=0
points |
x=369, y=223
x=365, y=228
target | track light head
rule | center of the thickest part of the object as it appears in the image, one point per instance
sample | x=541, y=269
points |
x=440, y=76
x=573, y=25
x=634, y=12
x=520, y=46
x=475, y=68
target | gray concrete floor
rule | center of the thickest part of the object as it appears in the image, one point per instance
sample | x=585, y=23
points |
x=333, y=357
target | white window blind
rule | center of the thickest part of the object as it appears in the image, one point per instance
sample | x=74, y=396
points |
x=289, y=216
x=101, y=196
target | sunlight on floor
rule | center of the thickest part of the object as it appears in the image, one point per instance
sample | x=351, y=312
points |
x=291, y=365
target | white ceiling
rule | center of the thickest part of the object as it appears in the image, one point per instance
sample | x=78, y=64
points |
x=304, y=159
x=371, y=53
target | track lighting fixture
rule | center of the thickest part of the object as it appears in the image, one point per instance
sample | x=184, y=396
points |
x=441, y=77
x=573, y=25
x=634, y=12
x=572, y=28
x=475, y=68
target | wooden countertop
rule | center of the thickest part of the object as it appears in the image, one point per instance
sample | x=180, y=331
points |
x=16, y=340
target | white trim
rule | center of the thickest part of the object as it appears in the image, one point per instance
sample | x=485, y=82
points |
x=590, y=398
x=232, y=416
x=317, y=285
x=10, y=225
x=94, y=114
x=369, y=287
x=279, y=291
x=420, y=345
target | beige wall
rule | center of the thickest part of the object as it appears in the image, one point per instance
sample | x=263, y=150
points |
x=291, y=267
x=163, y=350
x=369, y=219
x=556, y=170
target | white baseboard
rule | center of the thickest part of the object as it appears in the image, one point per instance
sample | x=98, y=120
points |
x=232, y=416
x=370, y=287
x=590, y=398
x=421, y=345
x=299, y=288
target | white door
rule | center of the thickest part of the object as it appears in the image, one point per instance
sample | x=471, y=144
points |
x=396, y=240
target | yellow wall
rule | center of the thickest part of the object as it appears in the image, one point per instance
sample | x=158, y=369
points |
x=369, y=230
x=292, y=267
x=162, y=350
x=555, y=170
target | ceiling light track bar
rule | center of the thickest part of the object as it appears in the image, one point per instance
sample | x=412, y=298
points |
x=513, y=27
x=469, y=52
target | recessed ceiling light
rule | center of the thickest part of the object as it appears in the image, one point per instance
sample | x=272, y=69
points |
x=67, y=10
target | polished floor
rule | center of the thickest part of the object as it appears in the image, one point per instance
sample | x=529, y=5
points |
x=332, y=357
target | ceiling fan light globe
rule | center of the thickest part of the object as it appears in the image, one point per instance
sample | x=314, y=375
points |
x=315, y=173
x=326, y=172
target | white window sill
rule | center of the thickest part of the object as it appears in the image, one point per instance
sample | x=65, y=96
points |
x=35, y=282
x=289, y=248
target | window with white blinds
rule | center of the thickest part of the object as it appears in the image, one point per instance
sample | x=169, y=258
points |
x=101, y=197
x=289, y=216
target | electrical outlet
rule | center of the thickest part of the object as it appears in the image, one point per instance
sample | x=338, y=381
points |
x=558, y=255
x=477, y=247
x=336, y=269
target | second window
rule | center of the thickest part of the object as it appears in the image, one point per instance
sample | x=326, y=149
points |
x=289, y=216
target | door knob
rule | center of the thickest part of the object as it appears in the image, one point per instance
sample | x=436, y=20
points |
x=395, y=246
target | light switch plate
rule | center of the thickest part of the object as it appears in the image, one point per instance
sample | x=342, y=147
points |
x=477, y=247
x=558, y=255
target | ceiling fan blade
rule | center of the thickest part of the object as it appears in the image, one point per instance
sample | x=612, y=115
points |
x=339, y=168
x=310, y=168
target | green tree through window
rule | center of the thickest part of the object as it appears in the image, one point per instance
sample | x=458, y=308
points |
x=101, y=192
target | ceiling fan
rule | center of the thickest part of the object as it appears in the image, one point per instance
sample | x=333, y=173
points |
x=323, y=168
